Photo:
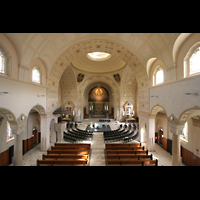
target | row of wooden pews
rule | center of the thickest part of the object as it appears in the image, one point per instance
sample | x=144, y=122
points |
x=66, y=154
x=128, y=154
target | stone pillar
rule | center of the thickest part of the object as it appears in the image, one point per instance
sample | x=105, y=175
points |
x=18, y=150
x=18, y=131
x=177, y=131
x=59, y=128
x=44, y=128
x=150, y=139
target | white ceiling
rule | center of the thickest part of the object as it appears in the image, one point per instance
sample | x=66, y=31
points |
x=49, y=46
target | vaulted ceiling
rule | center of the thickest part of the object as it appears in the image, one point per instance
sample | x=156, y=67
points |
x=49, y=46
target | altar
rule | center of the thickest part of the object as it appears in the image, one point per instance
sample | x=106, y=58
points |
x=130, y=120
x=98, y=127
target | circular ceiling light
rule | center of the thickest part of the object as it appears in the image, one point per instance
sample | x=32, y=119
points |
x=98, y=56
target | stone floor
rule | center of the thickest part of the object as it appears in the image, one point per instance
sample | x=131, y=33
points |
x=97, y=149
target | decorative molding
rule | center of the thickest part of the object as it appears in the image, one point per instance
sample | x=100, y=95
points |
x=25, y=68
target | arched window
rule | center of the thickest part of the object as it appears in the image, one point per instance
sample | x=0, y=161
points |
x=36, y=76
x=10, y=136
x=5, y=61
x=158, y=75
x=184, y=135
x=192, y=61
x=2, y=63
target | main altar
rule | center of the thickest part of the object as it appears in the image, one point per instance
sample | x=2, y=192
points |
x=98, y=127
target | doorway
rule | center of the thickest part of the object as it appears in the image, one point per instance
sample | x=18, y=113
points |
x=159, y=137
x=34, y=137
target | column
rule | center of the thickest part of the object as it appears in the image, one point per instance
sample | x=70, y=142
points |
x=18, y=131
x=150, y=139
x=18, y=150
x=44, y=128
x=59, y=128
x=177, y=131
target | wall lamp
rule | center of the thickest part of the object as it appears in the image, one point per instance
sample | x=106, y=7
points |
x=41, y=95
x=195, y=93
x=155, y=96
x=4, y=92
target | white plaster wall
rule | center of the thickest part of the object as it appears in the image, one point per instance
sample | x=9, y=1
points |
x=172, y=98
x=22, y=96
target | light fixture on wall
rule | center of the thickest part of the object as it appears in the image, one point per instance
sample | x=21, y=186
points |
x=155, y=96
x=188, y=93
x=4, y=92
x=41, y=95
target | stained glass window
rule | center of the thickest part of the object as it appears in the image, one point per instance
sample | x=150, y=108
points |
x=9, y=133
x=184, y=135
x=36, y=75
x=194, y=62
x=2, y=63
x=191, y=62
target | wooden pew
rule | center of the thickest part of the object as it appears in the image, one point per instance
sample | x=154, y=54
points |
x=132, y=162
x=62, y=162
x=73, y=152
x=64, y=157
x=136, y=152
x=70, y=148
x=128, y=156
x=125, y=148
x=72, y=144
x=123, y=145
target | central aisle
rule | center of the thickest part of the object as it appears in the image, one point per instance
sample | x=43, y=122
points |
x=97, y=150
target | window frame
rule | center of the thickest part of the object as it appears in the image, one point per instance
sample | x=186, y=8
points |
x=186, y=60
x=185, y=133
x=9, y=136
x=158, y=68
x=40, y=78
x=8, y=61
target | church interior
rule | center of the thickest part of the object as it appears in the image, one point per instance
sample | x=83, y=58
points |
x=124, y=98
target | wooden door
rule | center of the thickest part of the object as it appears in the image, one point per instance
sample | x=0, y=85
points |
x=34, y=136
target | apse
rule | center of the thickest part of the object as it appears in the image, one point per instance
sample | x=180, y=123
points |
x=98, y=94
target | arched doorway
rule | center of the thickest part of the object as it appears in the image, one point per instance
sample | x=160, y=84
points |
x=33, y=136
x=161, y=126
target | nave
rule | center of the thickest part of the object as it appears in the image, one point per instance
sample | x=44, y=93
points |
x=97, y=149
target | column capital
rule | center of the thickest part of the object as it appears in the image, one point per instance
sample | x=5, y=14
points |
x=176, y=129
x=17, y=129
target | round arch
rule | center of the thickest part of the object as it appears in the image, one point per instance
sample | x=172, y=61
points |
x=185, y=115
x=178, y=43
x=98, y=79
x=40, y=109
x=86, y=46
x=157, y=108
x=9, y=115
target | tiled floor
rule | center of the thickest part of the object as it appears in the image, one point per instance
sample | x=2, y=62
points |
x=97, y=147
